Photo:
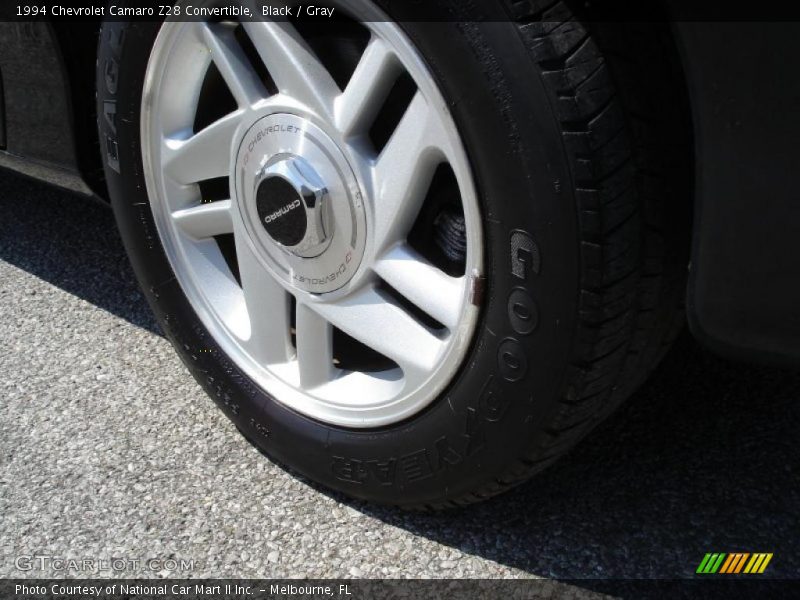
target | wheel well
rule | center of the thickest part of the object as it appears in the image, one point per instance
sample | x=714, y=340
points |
x=78, y=45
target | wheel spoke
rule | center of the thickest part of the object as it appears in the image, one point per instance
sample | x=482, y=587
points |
x=403, y=173
x=292, y=64
x=267, y=305
x=204, y=155
x=206, y=220
x=233, y=65
x=426, y=286
x=369, y=85
x=372, y=319
x=314, y=347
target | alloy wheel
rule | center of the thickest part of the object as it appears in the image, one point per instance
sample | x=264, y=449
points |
x=319, y=214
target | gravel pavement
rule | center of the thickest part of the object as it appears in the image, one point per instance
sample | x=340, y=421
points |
x=108, y=448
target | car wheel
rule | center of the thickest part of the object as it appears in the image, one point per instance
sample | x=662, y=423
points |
x=415, y=262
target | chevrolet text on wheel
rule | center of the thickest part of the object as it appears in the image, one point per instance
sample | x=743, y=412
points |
x=418, y=259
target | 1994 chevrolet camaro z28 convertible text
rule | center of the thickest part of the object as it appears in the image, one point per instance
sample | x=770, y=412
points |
x=418, y=261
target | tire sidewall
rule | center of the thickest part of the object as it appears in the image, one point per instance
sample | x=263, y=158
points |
x=495, y=408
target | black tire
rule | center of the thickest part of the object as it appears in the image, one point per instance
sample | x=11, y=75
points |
x=579, y=141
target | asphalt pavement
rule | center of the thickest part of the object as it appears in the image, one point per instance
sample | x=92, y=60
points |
x=109, y=449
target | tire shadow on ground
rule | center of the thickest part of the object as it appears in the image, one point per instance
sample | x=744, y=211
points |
x=71, y=242
x=703, y=458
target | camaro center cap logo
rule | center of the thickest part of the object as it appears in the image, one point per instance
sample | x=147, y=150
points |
x=293, y=207
x=278, y=206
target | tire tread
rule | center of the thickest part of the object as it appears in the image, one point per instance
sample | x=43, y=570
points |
x=631, y=305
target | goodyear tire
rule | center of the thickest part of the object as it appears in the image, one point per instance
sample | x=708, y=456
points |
x=577, y=141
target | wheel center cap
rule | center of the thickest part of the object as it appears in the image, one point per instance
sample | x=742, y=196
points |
x=294, y=207
x=300, y=202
